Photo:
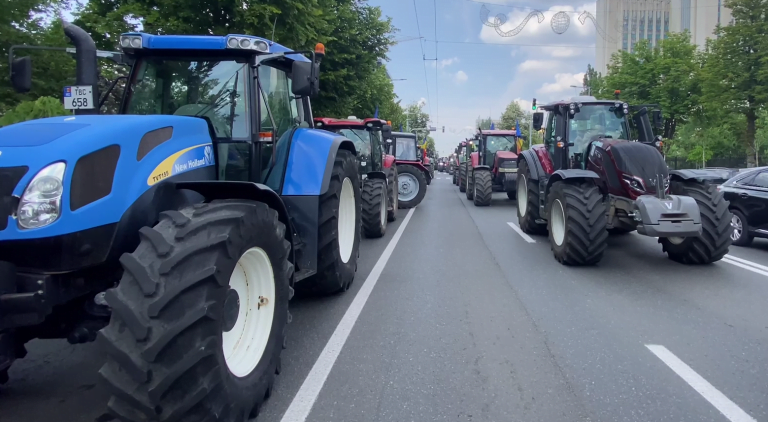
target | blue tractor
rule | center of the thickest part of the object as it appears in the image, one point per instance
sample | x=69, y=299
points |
x=173, y=233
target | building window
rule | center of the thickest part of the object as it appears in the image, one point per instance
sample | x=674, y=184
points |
x=642, y=24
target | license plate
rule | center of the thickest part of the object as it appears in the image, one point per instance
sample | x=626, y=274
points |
x=78, y=97
x=507, y=170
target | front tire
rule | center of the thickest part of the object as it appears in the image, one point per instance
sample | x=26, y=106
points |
x=412, y=188
x=470, y=188
x=200, y=280
x=483, y=188
x=374, y=207
x=716, y=229
x=462, y=178
x=528, y=202
x=339, y=229
x=577, y=223
x=740, y=236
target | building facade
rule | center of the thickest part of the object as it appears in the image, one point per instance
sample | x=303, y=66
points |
x=622, y=23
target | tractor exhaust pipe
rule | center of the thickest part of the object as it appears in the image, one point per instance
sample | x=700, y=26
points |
x=86, y=62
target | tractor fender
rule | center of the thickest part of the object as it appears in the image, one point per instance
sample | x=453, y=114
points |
x=475, y=168
x=377, y=175
x=701, y=175
x=571, y=174
x=534, y=165
x=310, y=161
x=474, y=158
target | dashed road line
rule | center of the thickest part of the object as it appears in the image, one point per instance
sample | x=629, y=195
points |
x=717, y=399
x=520, y=232
x=302, y=403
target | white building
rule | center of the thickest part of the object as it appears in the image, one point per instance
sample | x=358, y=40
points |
x=622, y=23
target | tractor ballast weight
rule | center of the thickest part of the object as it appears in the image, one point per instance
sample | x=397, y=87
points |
x=376, y=169
x=588, y=180
x=413, y=176
x=153, y=230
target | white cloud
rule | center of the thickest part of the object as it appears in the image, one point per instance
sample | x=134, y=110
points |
x=563, y=52
x=448, y=62
x=563, y=82
x=422, y=102
x=538, y=66
x=460, y=77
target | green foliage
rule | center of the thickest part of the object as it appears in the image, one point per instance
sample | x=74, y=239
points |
x=593, y=83
x=513, y=114
x=482, y=123
x=29, y=110
x=415, y=116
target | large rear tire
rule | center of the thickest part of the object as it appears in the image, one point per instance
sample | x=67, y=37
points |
x=470, y=188
x=577, y=223
x=339, y=229
x=716, y=229
x=528, y=202
x=392, y=194
x=199, y=317
x=462, y=177
x=483, y=186
x=374, y=208
x=412, y=186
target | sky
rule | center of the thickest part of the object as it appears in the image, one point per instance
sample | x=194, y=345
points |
x=479, y=72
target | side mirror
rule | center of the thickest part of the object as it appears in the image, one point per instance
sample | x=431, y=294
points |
x=538, y=120
x=305, y=79
x=386, y=132
x=21, y=74
x=658, y=123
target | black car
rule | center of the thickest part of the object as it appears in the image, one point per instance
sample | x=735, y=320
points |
x=747, y=193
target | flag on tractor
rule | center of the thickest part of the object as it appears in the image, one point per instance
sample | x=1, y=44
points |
x=376, y=114
x=493, y=127
x=519, y=135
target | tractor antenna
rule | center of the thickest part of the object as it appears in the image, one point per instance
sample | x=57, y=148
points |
x=274, y=25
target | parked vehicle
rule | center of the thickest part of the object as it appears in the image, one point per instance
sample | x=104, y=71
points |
x=154, y=228
x=747, y=196
x=376, y=168
x=413, y=176
x=587, y=180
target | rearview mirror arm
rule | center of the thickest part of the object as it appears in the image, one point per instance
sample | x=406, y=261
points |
x=113, y=56
x=109, y=90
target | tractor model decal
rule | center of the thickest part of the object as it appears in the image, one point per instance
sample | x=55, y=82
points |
x=191, y=158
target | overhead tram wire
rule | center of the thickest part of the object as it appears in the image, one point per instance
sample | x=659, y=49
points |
x=437, y=82
x=423, y=57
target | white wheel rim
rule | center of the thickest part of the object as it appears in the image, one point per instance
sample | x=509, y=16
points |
x=384, y=207
x=254, y=282
x=347, y=219
x=557, y=214
x=522, y=196
x=737, y=228
x=408, y=187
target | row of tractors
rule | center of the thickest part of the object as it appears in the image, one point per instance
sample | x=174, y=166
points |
x=588, y=181
x=176, y=232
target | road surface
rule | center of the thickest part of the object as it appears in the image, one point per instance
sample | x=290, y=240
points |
x=455, y=316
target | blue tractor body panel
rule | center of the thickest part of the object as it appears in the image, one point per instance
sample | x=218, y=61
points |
x=308, y=161
x=39, y=143
x=206, y=42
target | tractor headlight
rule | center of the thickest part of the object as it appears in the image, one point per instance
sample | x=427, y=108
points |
x=40, y=205
x=634, y=183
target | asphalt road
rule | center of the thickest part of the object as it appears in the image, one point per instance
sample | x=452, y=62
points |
x=464, y=319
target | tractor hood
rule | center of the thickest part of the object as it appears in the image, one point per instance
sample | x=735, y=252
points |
x=38, y=143
x=637, y=159
x=506, y=155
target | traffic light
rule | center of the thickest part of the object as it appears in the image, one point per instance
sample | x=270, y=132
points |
x=533, y=105
x=443, y=129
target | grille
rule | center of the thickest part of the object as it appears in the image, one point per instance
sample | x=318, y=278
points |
x=9, y=178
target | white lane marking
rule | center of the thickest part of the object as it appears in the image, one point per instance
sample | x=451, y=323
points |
x=520, y=232
x=722, y=403
x=749, y=267
x=747, y=262
x=304, y=400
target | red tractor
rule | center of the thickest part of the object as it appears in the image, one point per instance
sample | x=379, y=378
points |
x=375, y=168
x=492, y=166
x=413, y=176
x=588, y=180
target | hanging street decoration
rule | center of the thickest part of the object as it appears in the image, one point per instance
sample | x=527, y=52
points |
x=560, y=22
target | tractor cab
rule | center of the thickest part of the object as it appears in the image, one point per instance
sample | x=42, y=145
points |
x=368, y=136
x=497, y=147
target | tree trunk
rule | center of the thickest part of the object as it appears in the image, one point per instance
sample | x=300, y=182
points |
x=749, y=136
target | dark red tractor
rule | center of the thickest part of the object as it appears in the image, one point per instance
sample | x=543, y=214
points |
x=492, y=166
x=413, y=176
x=379, y=177
x=588, y=180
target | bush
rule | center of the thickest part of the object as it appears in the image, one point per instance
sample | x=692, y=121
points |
x=38, y=109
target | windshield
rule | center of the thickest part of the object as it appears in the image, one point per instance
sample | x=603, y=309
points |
x=406, y=149
x=360, y=137
x=213, y=89
x=594, y=121
x=494, y=143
